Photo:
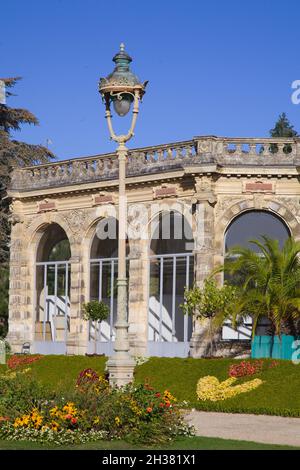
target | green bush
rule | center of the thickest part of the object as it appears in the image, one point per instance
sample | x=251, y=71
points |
x=19, y=392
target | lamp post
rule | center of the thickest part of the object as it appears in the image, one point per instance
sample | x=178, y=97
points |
x=121, y=88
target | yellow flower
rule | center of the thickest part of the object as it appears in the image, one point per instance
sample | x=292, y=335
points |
x=70, y=409
x=54, y=426
x=168, y=396
x=209, y=388
x=117, y=421
x=53, y=411
x=96, y=420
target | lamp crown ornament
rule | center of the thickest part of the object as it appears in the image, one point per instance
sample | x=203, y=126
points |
x=122, y=84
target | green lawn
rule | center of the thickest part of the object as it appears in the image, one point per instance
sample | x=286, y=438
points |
x=279, y=394
x=192, y=443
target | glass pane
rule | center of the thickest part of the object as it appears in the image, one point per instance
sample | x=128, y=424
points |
x=61, y=251
x=166, y=308
x=104, y=288
x=154, y=305
x=51, y=279
x=171, y=234
x=181, y=266
x=94, y=281
x=61, y=280
x=166, y=318
x=252, y=225
x=40, y=292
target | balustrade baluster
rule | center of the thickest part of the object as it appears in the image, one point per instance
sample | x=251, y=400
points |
x=225, y=148
x=170, y=153
x=266, y=149
x=189, y=151
x=238, y=149
x=160, y=155
x=178, y=153
x=280, y=149
x=252, y=150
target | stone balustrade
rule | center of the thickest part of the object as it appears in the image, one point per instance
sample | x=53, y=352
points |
x=155, y=159
x=245, y=151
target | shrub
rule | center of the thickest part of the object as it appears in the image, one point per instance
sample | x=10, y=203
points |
x=20, y=392
x=134, y=413
x=95, y=311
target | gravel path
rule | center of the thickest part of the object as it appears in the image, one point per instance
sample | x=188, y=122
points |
x=256, y=428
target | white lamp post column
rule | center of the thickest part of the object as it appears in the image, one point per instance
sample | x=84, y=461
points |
x=121, y=88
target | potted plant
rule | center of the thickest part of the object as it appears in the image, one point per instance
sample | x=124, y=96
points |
x=95, y=311
x=207, y=303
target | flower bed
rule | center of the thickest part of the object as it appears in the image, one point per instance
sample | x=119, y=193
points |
x=92, y=409
x=209, y=388
x=246, y=368
x=16, y=361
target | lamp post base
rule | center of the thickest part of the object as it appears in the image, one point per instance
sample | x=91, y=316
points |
x=120, y=370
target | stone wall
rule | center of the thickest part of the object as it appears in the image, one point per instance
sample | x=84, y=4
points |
x=213, y=180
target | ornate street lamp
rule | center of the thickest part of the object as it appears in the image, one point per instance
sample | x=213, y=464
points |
x=122, y=89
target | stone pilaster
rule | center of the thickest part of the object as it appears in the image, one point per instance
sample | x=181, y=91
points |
x=76, y=338
x=138, y=297
x=20, y=320
x=204, y=263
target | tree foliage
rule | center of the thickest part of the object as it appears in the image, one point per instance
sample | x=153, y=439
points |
x=95, y=311
x=13, y=153
x=271, y=283
x=209, y=303
x=283, y=128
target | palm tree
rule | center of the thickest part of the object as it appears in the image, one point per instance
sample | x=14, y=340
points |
x=269, y=283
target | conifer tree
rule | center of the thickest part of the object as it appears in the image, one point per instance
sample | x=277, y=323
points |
x=13, y=153
x=282, y=128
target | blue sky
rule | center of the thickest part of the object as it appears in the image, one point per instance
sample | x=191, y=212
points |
x=214, y=67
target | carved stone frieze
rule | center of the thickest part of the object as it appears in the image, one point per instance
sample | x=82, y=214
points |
x=77, y=220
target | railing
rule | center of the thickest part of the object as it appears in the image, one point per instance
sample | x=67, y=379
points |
x=244, y=150
x=200, y=150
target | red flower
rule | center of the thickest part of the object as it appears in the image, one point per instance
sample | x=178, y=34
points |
x=4, y=418
x=73, y=420
x=168, y=404
x=149, y=409
x=16, y=361
x=157, y=394
x=68, y=417
x=245, y=368
x=161, y=405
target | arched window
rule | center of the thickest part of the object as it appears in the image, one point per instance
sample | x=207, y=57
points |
x=53, y=280
x=251, y=225
x=103, y=282
x=171, y=270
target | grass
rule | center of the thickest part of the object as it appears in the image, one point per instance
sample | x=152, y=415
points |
x=191, y=443
x=278, y=395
